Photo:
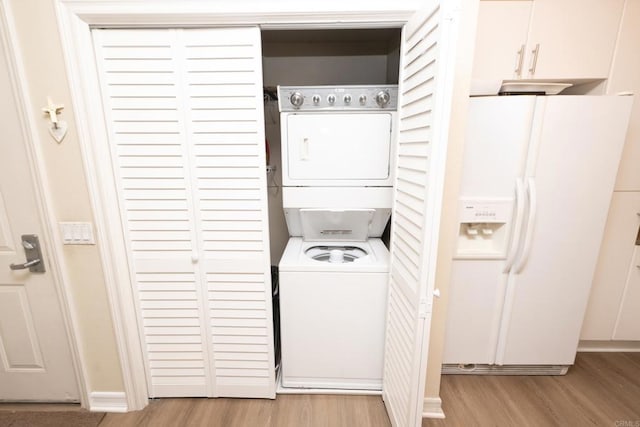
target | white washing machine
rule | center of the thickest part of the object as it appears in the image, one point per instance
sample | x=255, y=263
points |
x=337, y=149
x=333, y=314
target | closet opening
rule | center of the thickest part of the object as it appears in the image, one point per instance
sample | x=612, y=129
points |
x=325, y=57
x=315, y=58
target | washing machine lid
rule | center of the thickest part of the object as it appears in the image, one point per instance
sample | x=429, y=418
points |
x=336, y=225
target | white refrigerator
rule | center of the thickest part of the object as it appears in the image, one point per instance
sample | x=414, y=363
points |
x=538, y=176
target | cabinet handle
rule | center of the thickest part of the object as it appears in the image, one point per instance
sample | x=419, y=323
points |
x=534, y=58
x=519, y=61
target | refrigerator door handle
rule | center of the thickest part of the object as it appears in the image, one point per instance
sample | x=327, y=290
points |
x=517, y=229
x=533, y=204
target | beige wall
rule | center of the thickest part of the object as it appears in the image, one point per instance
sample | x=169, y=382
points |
x=448, y=226
x=41, y=52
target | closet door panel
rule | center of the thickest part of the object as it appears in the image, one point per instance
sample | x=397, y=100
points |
x=425, y=94
x=223, y=76
x=141, y=96
x=184, y=111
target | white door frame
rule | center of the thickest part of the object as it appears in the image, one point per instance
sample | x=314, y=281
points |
x=75, y=20
x=36, y=163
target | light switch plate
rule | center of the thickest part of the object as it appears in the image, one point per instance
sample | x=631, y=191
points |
x=77, y=233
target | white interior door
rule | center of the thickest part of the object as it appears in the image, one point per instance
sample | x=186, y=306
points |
x=424, y=111
x=35, y=358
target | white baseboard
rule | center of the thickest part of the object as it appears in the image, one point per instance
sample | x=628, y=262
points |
x=609, y=346
x=107, y=401
x=432, y=408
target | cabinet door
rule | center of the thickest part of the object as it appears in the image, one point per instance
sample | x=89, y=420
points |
x=576, y=38
x=616, y=253
x=628, y=325
x=502, y=33
x=625, y=76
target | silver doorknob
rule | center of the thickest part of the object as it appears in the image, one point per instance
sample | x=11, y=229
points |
x=382, y=98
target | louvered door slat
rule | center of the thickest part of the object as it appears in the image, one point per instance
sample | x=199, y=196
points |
x=423, y=120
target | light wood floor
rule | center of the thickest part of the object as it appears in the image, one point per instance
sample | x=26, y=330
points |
x=599, y=390
x=285, y=411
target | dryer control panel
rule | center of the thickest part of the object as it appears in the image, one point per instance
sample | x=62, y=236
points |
x=338, y=98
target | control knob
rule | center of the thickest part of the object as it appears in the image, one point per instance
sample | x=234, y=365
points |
x=347, y=99
x=363, y=99
x=382, y=98
x=316, y=99
x=296, y=99
x=331, y=99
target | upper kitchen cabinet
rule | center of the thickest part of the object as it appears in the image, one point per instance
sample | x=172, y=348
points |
x=572, y=39
x=501, y=40
x=546, y=39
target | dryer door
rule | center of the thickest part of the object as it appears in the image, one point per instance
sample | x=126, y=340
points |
x=337, y=149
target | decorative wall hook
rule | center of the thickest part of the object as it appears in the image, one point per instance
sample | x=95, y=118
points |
x=58, y=127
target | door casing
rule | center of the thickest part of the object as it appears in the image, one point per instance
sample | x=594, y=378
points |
x=75, y=21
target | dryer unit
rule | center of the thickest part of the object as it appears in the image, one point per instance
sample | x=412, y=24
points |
x=337, y=151
x=337, y=136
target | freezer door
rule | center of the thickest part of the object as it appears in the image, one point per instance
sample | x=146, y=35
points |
x=498, y=134
x=572, y=163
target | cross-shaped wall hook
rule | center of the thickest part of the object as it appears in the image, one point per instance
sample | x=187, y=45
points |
x=59, y=127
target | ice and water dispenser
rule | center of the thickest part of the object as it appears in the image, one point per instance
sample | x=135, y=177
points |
x=484, y=228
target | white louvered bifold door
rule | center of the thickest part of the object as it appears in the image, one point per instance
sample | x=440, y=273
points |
x=223, y=80
x=424, y=110
x=185, y=120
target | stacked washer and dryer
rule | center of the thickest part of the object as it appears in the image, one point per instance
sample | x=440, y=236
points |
x=337, y=154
